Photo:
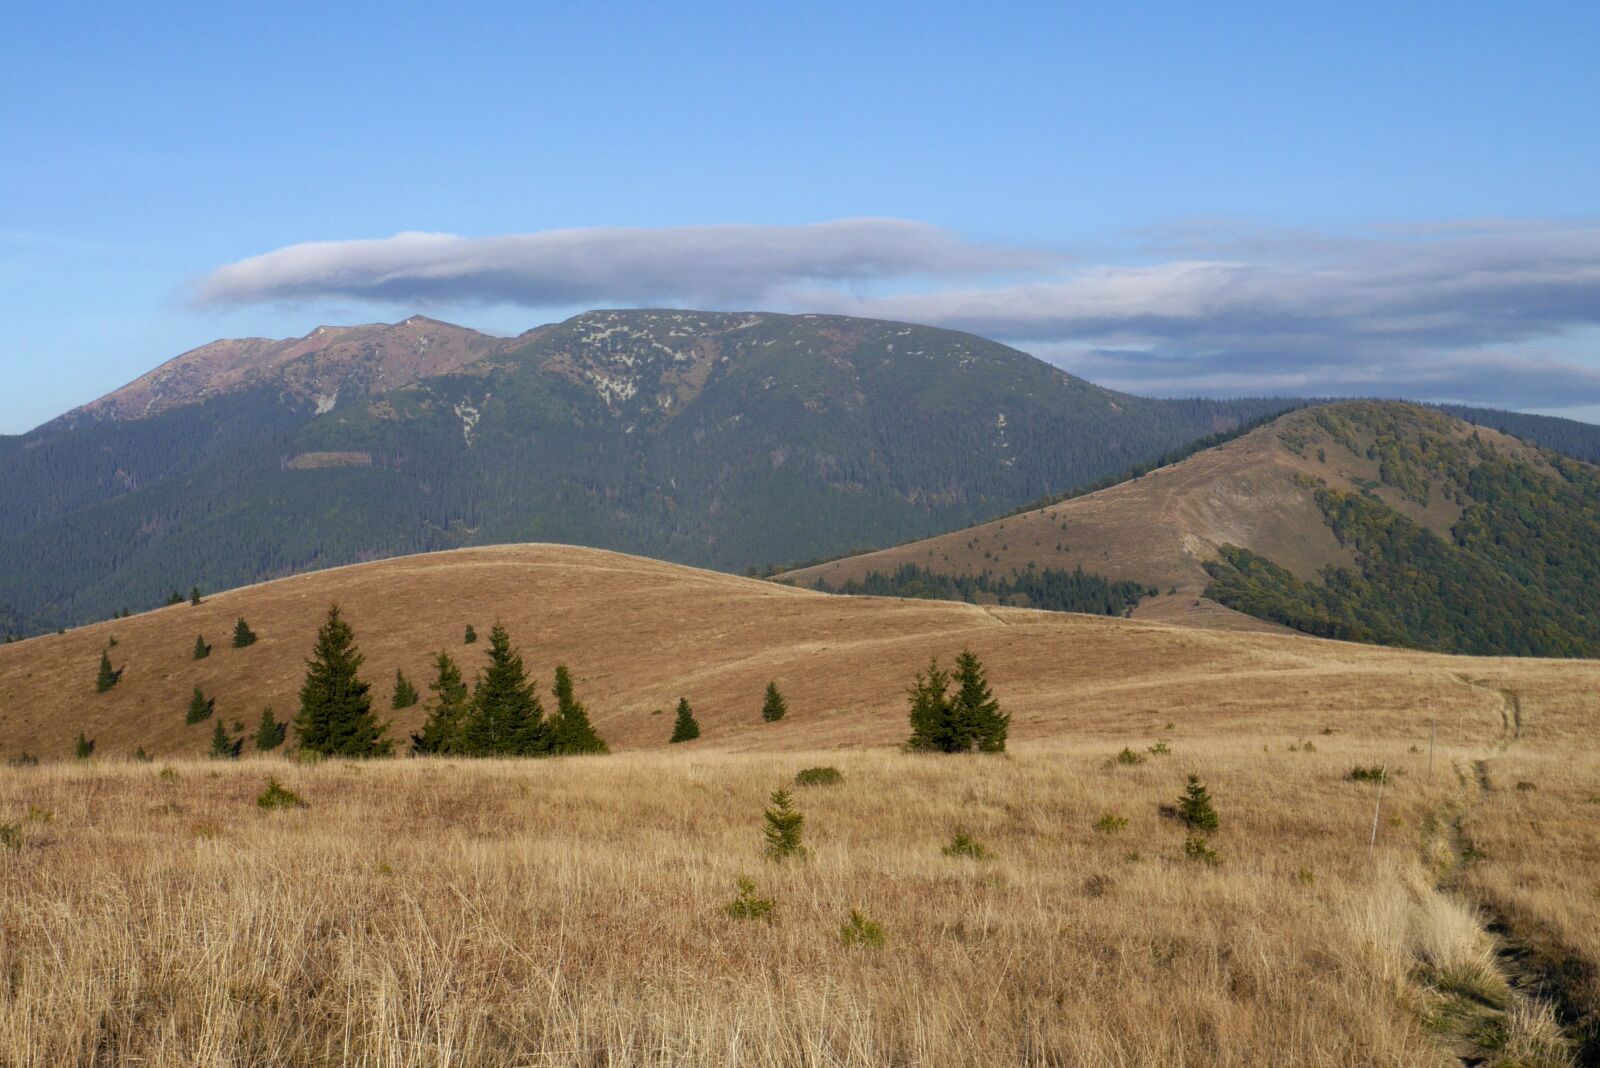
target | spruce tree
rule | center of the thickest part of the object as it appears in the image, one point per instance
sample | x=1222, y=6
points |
x=174, y=598
x=107, y=677
x=506, y=718
x=200, y=707
x=571, y=731
x=201, y=649
x=242, y=634
x=774, y=707
x=930, y=710
x=269, y=734
x=975, y=713
x=405, y=694
x=470, y=636
x=1194, y=807
x=441, y=733
x=784, y=824
x=84, y=747
x=222, y=747
x=194, y=594
x=335, y=706
x=684, y=728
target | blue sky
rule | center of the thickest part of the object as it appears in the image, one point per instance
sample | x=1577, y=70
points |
x=1170, y=198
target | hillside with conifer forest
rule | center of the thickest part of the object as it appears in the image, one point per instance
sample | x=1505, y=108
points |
x=1369, y=521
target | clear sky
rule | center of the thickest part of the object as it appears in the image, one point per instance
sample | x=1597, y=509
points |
x=1184, y=198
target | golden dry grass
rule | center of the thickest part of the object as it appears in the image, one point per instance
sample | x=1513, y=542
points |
x=570, y=912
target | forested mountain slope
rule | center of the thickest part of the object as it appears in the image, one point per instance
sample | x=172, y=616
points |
x=726, y=440
x=205, y=404
x=1581, y=441
x=1367, y=520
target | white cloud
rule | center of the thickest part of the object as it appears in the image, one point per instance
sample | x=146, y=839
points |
x=711, y=265
x=1486, y=310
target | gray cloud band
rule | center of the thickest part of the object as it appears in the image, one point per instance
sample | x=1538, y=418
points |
x=715, y=265
x=1419, y=311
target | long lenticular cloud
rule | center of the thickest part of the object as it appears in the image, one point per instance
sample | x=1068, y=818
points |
x=713, y=265
x=1473, y=310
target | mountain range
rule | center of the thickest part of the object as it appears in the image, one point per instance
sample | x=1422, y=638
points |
x=728, y=440
x=734, y=440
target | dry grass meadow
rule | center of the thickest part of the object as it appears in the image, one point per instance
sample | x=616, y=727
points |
x=572, y=911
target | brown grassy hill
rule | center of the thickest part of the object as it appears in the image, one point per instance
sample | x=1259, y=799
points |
x=638, y=633
x=1161, y=529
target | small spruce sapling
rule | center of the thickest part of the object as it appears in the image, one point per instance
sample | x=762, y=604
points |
x=276, y=796
x=784, y=827
x=201, y=649
x=572, y=733
x=269, y=733
x=84, y=747
x=747, y=906
x=684, y=727
x=222, y=746
x=1195, y=808
x=194, y=594
x=774, y=707
x=107, y=678
x=860, y=931
x=242, y=634
x=963, y=844
x=200, y=707
x=405, y=694
x=470, y=636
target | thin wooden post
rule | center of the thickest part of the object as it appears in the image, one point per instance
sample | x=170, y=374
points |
x=1383, y=777
x=1433, y=733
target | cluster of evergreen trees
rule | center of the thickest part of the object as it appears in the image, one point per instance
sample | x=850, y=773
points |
x=1053, y=589
x=500, y=715
x=960, y=722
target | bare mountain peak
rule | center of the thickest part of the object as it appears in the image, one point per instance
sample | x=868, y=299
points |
x=328, y=361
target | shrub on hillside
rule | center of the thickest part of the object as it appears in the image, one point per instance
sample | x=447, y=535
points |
x=821, y=776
